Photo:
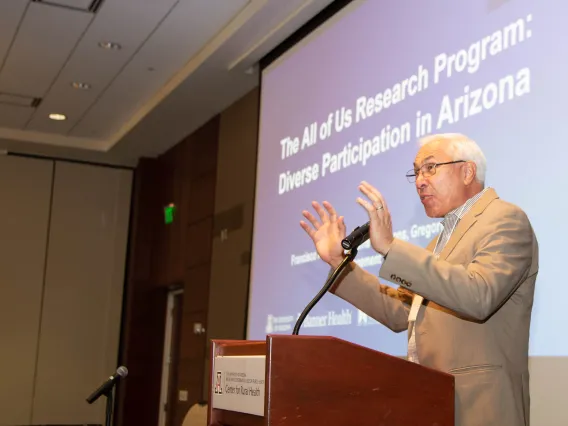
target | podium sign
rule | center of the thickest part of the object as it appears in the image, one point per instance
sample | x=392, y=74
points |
x=239, y=383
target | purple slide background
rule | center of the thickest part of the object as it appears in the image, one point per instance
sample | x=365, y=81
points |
x=370, y=49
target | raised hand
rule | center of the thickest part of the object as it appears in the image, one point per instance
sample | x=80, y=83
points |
x=380, y=231
x=326, y=232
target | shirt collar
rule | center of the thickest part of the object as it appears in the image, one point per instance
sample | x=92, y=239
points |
x=461, y=211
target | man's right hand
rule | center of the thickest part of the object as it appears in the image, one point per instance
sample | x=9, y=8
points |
x=326, y=233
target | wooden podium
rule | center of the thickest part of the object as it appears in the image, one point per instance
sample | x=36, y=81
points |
x=307, y=380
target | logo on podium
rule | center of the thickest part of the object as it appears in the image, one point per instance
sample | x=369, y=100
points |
x=218, y=387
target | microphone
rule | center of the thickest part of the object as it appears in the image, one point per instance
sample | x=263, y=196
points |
x=103, y=389
x=357, y=237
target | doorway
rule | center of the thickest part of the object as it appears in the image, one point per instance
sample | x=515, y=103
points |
x=170, y=364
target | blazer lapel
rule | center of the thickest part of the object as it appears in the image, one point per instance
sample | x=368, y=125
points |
x=432, y=244
x=468, y=221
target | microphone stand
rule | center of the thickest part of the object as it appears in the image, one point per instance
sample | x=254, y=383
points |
x=348, y=258
x=109, y=405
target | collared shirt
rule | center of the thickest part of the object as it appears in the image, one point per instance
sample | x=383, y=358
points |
x=449, y=223
x=452, y=219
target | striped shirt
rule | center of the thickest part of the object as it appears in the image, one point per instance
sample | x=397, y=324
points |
x=450, y=222
x=452, y=219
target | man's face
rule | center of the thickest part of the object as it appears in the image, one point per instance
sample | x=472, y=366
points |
x=446, y=189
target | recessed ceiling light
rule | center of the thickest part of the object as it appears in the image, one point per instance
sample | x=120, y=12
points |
x=110, y=45
x=80, y=85
x=58, y=117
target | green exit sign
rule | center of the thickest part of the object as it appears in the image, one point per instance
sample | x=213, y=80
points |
x=169, y=213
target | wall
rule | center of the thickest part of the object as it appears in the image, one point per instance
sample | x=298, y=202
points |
x=24, y=224
x=210, y=178
x=144, y=308
x=62, y=262
x=234, y=209
x=165, y=257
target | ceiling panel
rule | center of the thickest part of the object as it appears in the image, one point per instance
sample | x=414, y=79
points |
x=98, y=67
x=14, y=117
x=181, y=36
x=46, y=38
x=11, y=13
x=174, y=72
x=211, y=88
x=209, y=91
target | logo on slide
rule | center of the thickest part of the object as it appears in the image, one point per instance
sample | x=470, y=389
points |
x=269, y=324
x=218, y=387
x=362, y=318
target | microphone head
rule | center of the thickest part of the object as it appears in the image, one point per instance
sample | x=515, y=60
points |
x=357, y=237
x=122, y=371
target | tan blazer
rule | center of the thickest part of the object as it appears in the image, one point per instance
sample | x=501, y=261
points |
x=475, y=319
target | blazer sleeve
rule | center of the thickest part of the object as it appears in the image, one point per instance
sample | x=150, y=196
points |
x=381, y=302
x=501, y=262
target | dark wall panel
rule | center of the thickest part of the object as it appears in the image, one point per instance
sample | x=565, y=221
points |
x=165, y=256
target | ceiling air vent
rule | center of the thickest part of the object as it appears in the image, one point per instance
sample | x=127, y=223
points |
x=90, y=6
x=19, y=100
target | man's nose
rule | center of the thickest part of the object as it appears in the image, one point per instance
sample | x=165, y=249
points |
x=421, y=181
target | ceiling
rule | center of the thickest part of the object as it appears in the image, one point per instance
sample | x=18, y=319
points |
x=178, y=63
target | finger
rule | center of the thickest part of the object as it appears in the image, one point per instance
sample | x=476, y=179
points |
x=341, y=224
x=375, y=201
x=373, y=194
x=331, y=210
x=321, y=211
x=312, y=219
x=383, y=202
x=367, y=206
x=309, y=230
x=369, y=193
x=372, y=211
x=370, y=187
x=372, y=190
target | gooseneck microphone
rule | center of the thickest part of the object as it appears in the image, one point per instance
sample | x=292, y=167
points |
x=357, y=237
x=349, y=257
x=107, y=386
x=349, y=243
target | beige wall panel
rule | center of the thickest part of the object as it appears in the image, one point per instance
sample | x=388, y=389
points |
x=83, y=292
x=25, y=191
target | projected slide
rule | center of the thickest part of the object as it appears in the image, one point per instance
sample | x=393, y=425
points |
x=349, y=103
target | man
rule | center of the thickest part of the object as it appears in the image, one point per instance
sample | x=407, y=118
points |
x=466, y=299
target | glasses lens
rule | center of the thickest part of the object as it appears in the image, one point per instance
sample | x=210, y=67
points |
x=428, y=169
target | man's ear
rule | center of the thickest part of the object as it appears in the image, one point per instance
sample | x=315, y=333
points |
x=470, y=171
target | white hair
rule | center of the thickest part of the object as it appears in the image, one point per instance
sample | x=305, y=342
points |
x=461, y=148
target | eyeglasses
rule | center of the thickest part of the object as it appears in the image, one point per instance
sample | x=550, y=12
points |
x=427, y=170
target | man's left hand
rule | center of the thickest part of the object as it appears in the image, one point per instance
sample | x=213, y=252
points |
x=380, y=232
